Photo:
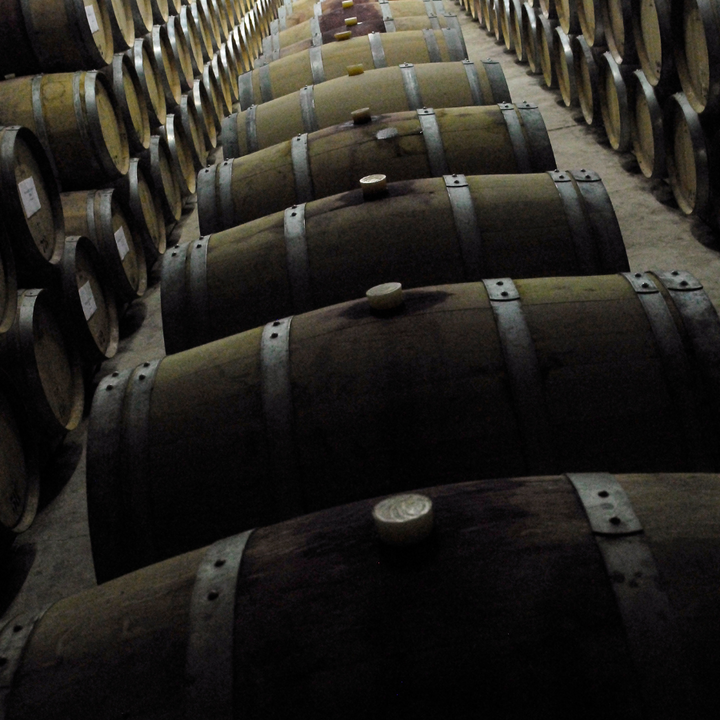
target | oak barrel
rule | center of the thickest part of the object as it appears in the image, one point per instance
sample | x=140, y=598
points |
x=530, y=38
x=88, y=301
x=160, y=11
x=193, y=126
x=148, y=73
x=591, y=23
x=546, y=40
x=205, y=109
x=518, y=39
x=44, y=365
x=181, y=152
x=99, y=216
x=519, y=600
x=618, y=26
x=615, y=101
x=204, y=27
x=567, y=15
x=492, y=139
x=565, y=67
x=142, y=13
x=558, y=223
x=122, y=24
x=167, y=67
x=158, y=166
x=648, y=138
x=76, y=118
x=215, y=91
x=602, y=371
x=587, y=77
x=194, y=40
x=653, y=33
x=181, y=53
x=31, y=213
x=378, y=50
x=407, y=87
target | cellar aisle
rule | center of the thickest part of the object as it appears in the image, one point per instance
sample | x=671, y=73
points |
x=52, y=559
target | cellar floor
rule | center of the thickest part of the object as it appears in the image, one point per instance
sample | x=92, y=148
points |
x=52, y=559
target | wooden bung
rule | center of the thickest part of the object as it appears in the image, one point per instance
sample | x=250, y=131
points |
x=558, y=223
x=197, y=11
x=424, y=143
x=438, y=85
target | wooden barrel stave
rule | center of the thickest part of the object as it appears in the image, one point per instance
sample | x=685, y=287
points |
x=439, y=85
x=74, y=115
x=220, y=290
x=32, y=213
x=364, y=404
x=504, y=139
x=648, y=138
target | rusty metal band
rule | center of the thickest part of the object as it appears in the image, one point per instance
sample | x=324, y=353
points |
x=583, y=240
x=134, y=458
x=466, y=226
x=301, y=168
x=209, y=663
x=523, y=371
x=14, y=638
x=251, y=135
x=411, y=86
x=266, y=92
x=245, y=90
x=517, y=138
x=433, y=142
x=497, y=81
x=454, y=42
x=307, y=109
x=474, y=82
x=377, y=50
x=278, y=412
x=315, y=32
x=225, y=194
x=39, y=118
x=538, y=143
x=648, y=618
x=432, y=46
x=297, y=258
x=452, y=23
x=676, y=368
x=316, y=65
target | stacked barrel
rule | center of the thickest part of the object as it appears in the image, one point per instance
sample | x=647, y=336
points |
x=395, y=289
x=648, y=72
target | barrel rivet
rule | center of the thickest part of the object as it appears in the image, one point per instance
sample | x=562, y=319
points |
x=683, y=283
x=276, y=323
x=174, y=254
x=219, y=563
x=198, y=246
x=645, y=285
x=273, y=336
x=146, y=364
x=603, y=494
x=404, y=519
x=674, y=272
x=637, y=275
x=499, y=282
x=213, y=595
x=109, y=387
x=615, y=520
x=115, y=374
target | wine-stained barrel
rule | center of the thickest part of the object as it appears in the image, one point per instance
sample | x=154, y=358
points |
x=426, y=143
x=88, y=301
x=31, y=209
x=44, y=364
x=406, y=87
x=76, y=118
x=54, y=36
x=423, y=232
x=529, y=596
x=378, y=50
x=473, y=379
x=99, y=216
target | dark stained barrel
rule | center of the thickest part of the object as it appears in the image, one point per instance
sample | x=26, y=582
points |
x=463, y=380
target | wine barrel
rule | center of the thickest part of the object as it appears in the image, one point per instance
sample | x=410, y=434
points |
x=31, y=214
x=227, y=59
x=54, y=36
x=193, y=128
x=546, y=40
x=148, y=73
x=302, y=12
x=157, y=165
x=181, y=52
x=687, y=156
x=407, y=87
x=76, y=118
x=221, y=18
x=168, y=71
x=618, y=26
x=122, y=24
x=131, y=100
x=234, y=43
x=142, y=13
x=44, y=366
x=193, y=39
x=181, y=152
x=8, y=283
x=212, y=23
x=587, y=77
x=462, y=380
x=591, y=24
x=565, y=67
x=501, y=605
x=216, y=91
x=99, y=216
x=567, y=15
x=135, y=194
x=506, y=24
x=378, y=50
x=174, y=7
x=530, y=38
x=653, y=34
x=425, y=143
x=615, y=101
x=19, y=463
x=224, y=81
x=88, y=302
x=558, y=223
x=646, y=128
x=491, y=19
x=548, y=9
x=197, y=11
x=160, y=11
x=697, y=53
x=497, y=8
x=519, y=44
x=205, y=109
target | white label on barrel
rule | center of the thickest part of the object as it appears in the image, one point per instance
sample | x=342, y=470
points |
x=87, y=300
x=29, y=196
x=121, y=242
x=92, y=20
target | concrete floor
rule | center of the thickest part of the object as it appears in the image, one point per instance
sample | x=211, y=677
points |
x=52, y=559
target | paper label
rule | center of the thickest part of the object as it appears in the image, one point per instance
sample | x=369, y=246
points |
x=87, y=299
x=92, y=20
x=29, y=196
x=121, y=242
